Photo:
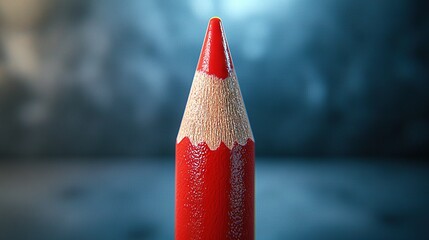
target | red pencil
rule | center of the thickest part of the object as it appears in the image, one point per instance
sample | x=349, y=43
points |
x=215, y=151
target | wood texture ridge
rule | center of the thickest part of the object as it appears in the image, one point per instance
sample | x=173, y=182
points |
x=215, y=113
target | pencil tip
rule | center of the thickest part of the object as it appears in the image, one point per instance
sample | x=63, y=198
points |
x=216, y=17
x=215, y=58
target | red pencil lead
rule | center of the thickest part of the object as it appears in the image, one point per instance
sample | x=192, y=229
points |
x=215, y=58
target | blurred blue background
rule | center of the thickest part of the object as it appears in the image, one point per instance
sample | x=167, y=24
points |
x=92, y=93
x=111, y=78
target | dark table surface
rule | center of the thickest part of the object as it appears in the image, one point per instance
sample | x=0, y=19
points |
x=134, y=199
